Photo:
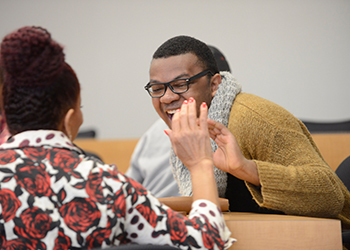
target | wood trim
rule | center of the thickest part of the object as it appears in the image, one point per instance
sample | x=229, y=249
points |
x=116, y=152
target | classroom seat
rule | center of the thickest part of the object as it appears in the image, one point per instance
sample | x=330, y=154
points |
x=328, y=127
x=343, y=172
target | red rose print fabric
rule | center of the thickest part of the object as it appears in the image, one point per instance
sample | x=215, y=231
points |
x=52, y=196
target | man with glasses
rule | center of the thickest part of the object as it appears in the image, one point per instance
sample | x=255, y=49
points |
x=150, y=163
x=265, y=158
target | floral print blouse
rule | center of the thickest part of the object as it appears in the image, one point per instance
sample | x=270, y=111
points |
x=52, y=196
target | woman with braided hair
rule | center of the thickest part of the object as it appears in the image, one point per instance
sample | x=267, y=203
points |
x=52, y=196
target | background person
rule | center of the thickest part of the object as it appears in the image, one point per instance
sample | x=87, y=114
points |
x=52, y=196
x=150, y=163
x=268, y=162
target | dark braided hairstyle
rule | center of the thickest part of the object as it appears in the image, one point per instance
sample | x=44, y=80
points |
x=39, y=86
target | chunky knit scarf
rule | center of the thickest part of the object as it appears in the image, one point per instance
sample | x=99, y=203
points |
x=219, y=111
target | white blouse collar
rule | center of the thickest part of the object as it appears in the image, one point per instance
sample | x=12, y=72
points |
x=38, y=138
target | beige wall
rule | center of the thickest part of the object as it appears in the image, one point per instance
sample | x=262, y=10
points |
x=293, y=52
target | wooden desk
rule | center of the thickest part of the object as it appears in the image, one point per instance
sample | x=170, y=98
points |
x=272, y=231
x=276, y=232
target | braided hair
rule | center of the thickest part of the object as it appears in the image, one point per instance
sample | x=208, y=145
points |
x=39, y=86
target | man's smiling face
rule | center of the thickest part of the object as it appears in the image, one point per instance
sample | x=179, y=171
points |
x=183, y=66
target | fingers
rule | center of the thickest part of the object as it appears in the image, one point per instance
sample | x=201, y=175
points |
x=184, y=115
x=216, y=127
x=186, y=118
x=217, y=130
x=175, y=123
x=203, y=116
x=169, y=133
x=192, y=113
x=213, y=131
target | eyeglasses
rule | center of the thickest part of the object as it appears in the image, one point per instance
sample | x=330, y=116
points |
x=177, y=86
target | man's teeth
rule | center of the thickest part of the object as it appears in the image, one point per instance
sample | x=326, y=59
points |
x=171, y=112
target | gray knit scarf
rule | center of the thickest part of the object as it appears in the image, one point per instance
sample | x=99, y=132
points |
x=219, y=111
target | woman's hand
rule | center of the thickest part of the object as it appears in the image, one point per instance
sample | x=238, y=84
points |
x=191, y=143
x=189, y=135
x=228, y=157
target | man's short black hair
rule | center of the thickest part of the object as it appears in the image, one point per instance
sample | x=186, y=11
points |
x=185, y=44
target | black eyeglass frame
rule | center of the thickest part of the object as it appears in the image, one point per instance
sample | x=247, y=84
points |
x=188, y=82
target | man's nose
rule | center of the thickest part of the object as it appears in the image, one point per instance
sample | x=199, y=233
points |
x=169, y=96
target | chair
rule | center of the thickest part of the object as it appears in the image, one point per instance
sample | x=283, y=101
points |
x=91, y=133
x=327, y=127
x=343, y=172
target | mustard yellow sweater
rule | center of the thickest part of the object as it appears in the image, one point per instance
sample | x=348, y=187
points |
x=294, y=176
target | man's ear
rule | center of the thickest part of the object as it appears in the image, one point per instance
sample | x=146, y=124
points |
x=68, y=123
x=215, y=81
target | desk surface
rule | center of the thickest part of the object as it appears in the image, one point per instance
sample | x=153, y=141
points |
x=273, y=231
x=270, y=232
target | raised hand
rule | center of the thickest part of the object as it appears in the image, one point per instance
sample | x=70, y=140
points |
x=228, y=156
x=189, y=135
x=191, y=143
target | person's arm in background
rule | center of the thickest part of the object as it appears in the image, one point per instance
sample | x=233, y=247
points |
x=150, y=164
x=135, y=170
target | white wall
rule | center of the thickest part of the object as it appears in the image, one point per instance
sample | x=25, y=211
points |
x=293, y=52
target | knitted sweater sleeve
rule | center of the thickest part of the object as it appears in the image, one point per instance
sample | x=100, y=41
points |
x=294, y=177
